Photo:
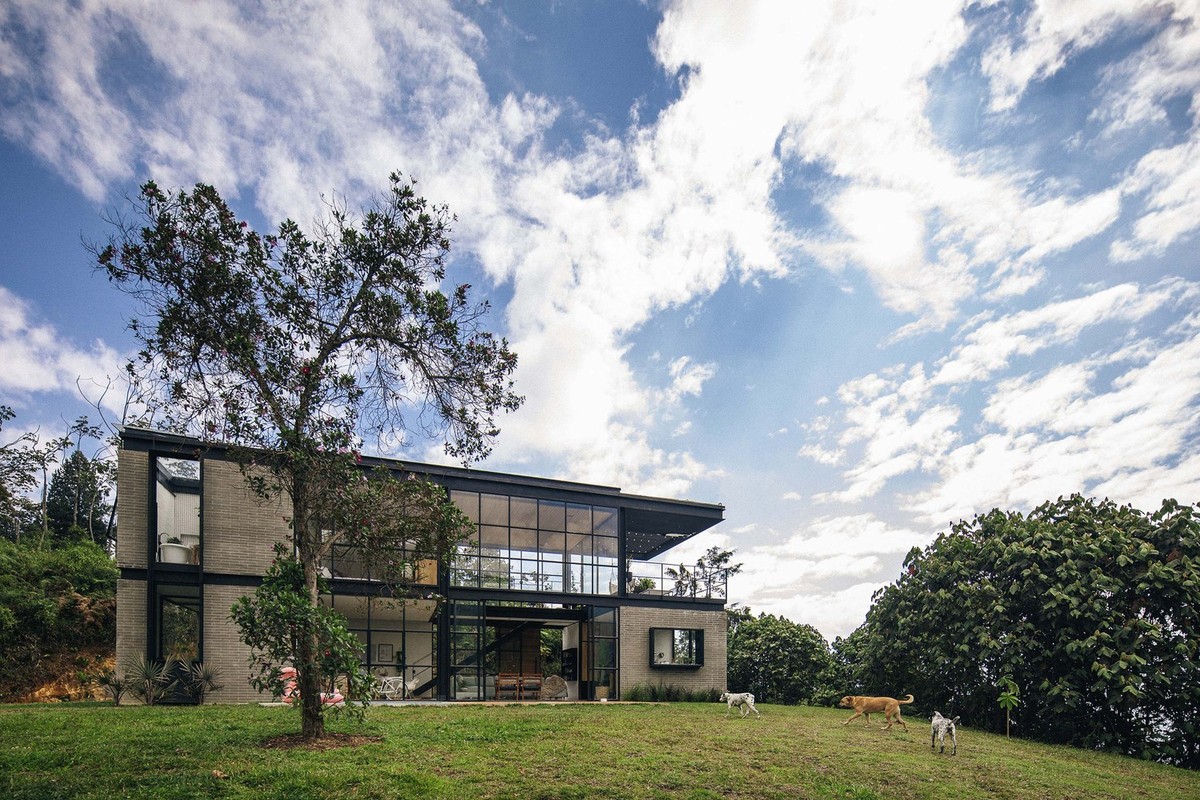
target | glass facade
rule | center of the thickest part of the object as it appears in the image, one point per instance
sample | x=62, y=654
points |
x=398, y=637
x=525, y=544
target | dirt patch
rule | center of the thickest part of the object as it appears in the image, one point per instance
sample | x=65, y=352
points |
x=330, y=741
x=71, y=675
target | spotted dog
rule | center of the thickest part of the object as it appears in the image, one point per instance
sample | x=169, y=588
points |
x=940, y=726
x=743, y=700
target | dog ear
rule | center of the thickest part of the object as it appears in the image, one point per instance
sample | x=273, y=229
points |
x=954, y=721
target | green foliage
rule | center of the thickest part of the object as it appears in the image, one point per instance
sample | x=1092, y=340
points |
x=198, y=679
x=707, y=578
x=669, y=693
x=778, y=660
x=114, y=686
x=279, y=618
x=1010, y=698
x=148, y=680
x=51, y=600
x=1093, y=608
x=76, y=504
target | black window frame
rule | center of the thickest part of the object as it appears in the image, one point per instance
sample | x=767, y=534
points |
x=698, y=639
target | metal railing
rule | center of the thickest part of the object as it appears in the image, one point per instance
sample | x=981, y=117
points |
x=655, y=579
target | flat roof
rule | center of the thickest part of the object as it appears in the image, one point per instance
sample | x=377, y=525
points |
x=653, y=524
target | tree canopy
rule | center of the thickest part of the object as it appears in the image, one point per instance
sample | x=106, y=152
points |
x=293, y=348
x=1092, y=608
x=780, y=661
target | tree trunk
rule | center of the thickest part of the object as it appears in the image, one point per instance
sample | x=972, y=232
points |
x=312, y=717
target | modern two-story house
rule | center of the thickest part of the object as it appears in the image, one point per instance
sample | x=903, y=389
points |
x=558, y=578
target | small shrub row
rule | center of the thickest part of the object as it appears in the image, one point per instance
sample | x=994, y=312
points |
x=670, y=693
x=151, y=681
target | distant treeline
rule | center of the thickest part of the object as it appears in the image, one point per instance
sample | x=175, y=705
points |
x=1091, y=610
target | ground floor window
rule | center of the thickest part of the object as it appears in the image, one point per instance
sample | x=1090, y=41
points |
x=604, y=654
x=398, y=639
x=676, y=647
x=178, y=625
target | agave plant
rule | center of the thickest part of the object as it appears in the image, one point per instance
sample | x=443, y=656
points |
x=199, y=679
x=114, y=685
x=148, y=680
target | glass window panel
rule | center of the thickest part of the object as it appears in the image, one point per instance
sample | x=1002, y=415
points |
x=180, y=629
x=605, y=546
x=552, y=516
x=493, y=509
x=550, y=542
x=524, y=540
x=523, y=511
x=604, y=520
x=467, y=502
x=573, y=577
x=606, y=653
x=579, y=544
x=493, y=537
x=579, y=518
x=606, y=579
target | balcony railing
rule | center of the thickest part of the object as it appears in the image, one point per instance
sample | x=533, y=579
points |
x=655, y=579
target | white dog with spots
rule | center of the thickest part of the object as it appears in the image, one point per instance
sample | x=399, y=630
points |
x=744, y=701
x=940, y=726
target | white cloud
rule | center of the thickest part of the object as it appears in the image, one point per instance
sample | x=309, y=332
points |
x=794, y=579
x=1086, y=424
x=38, y=358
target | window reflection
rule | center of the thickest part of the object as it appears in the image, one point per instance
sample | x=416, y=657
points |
x=538, y=545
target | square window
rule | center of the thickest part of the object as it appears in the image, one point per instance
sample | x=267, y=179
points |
x=676, y=647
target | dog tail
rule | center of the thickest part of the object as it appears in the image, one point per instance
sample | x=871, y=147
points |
x=905, y=702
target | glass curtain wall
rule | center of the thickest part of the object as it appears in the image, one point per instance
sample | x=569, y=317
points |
x=398, y=637
x=525, y=544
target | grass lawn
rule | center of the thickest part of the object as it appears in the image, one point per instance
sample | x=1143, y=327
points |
x=612, y=750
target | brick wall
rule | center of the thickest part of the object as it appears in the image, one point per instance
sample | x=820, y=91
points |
x=132, y=505
x=240, y=530
x=223, y=649
x=131, y=625
x=635, y=626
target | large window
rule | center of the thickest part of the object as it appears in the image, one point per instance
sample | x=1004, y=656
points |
x=178, y=624
x=676, y=647
x=177, y=504
x=537, y=545
x=397, y=637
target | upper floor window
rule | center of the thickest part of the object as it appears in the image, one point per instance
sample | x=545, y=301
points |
x=177, y=504
x=531, y=544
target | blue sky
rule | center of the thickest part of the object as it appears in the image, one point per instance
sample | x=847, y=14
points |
x=855, y=270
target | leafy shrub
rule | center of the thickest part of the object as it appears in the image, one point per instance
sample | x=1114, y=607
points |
x=51, y=600
x=669, y=693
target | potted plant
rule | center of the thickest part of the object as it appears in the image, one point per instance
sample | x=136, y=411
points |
x=174, y=551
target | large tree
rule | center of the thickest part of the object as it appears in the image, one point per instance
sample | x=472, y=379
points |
x=1091, y=608
x=780, y=661
x=76, y=503
x=294, y=347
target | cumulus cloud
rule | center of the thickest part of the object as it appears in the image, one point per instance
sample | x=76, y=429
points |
x=1088, y=424
x=825, y=574
x=39, y=358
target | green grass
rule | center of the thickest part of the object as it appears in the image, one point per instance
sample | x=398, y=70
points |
x=609, y=750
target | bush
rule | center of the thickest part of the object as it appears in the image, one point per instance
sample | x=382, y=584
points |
x=51, y=600
x=669, y=693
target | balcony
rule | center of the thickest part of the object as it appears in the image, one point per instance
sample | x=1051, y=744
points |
x=679, y=582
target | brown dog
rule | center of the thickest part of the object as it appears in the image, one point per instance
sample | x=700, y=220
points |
x=866, y=706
